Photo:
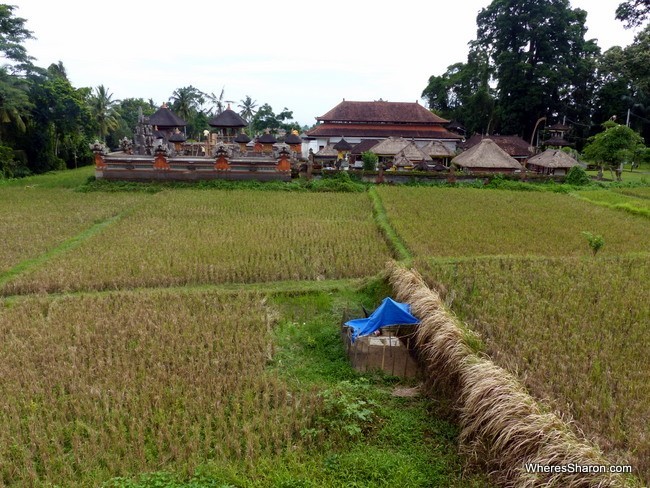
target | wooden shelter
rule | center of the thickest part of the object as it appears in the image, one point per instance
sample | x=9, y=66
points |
x=228, y=123
x=487, y=157
x=265, y=142
x=557, y=133
x=165, y=122
x=343, y=147
x=242, y=139
x=552, y=162
x=438, y=152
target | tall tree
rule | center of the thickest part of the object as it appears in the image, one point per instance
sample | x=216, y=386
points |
x=104, y=111
x=12, y=35
x=216, y=101
x=187, y=101
x=542, y=64
x=633, y=13
x=616, y=145
x=265, y=118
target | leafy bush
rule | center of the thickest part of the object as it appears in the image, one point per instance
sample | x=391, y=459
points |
x=596, y=242
x=577, y=176
x=369, y=159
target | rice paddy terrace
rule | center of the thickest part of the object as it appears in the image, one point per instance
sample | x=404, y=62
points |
x=188, y=337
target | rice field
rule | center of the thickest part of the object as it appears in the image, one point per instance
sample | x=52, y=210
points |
x=576, y=330
x=640, y=192
x=202, y=237
x=454, y=222
x=618, y=200
x=98, y=386
x=34, y=220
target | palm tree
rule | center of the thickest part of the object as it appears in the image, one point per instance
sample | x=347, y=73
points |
x=248, y=106
x=104, y=112
x=217, y=102
x=187, y=101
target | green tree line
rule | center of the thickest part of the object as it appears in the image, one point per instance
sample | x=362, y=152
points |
x=532, y=60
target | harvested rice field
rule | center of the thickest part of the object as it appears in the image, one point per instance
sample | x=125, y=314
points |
x=204, y=237
x=454, y=222
x=576, y=330
x=34, y=221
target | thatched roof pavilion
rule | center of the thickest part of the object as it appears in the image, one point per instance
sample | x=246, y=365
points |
x=487, y=156
x=227, y=123
x=552, y=161
x=164, y=118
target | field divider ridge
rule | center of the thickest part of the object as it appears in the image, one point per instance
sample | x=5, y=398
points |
x=395, y=242
x=643, y=212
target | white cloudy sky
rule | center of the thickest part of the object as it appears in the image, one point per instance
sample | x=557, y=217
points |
x=306, y=56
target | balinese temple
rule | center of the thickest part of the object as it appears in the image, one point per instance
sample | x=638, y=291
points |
x=229, y=158
x=228, y=124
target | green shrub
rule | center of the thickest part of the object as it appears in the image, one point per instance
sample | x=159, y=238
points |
x=577, y=176
x=369, y=159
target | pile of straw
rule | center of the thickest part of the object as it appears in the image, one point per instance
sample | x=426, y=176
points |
x=502, y=427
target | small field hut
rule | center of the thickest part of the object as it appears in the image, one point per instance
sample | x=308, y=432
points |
x=486, y=157
x=552, y=162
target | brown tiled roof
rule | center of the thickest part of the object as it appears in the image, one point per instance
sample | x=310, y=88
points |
x=557, y=141
x=486, y=155
x=382, y=131
x=515, y=146
x=163, y=117
x=386, y=112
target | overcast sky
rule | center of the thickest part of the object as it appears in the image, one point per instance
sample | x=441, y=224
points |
x=305, y=56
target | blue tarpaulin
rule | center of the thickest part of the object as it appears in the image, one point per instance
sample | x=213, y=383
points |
x=389, y=312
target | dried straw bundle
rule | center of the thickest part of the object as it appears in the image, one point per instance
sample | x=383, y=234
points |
x=502, y=426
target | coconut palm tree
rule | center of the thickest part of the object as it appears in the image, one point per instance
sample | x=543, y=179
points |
x=248, y=106
x=104, y=111
x=217, y=102
x=187, y=101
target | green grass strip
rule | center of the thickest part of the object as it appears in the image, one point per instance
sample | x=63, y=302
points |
x=67, y=245
x=400, y=251
x=625, y=207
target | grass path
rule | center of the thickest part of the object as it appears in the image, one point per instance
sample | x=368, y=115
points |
x=400, y=251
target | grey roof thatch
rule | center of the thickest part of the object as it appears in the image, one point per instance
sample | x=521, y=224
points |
x=343, y=145
x=486, y=154
x=267, y=139
x=413, y=153
x=327, y=152
x=177, y=137
x=227, y=118
x=293, y=139
x=242, y=138
x=163, y=117
x=390, y=146
x=553, y=158
x=436, y=149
